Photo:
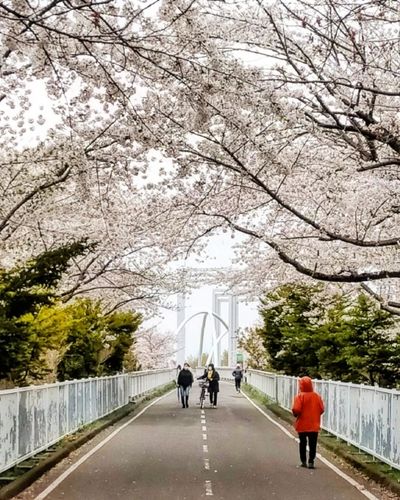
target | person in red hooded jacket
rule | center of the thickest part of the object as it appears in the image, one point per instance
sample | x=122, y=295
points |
x=307, y=408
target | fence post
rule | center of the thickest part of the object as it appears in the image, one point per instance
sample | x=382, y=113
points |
x=17, y=423
x=33, y=418
x=348, y=411
x=360, y=419
x=375, y=419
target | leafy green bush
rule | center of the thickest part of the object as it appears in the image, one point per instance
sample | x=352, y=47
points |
x=306, y=331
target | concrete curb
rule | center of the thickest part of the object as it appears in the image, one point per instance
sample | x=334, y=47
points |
x=357, y=463
x=26, y=479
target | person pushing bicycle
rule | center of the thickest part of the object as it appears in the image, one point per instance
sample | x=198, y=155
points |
x=212, y=376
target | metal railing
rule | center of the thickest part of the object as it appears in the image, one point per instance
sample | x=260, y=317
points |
x=364, y=416
x=225, y=373
x=33, y=418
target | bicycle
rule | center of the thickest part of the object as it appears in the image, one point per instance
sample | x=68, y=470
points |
x=203, y=386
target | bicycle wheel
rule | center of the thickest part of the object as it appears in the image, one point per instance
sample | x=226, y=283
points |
x=202, y=398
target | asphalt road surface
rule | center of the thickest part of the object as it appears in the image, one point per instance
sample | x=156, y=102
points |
x=169, y=453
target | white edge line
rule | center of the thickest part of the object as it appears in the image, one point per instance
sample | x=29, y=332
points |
x=83, y=459
x=335, y=469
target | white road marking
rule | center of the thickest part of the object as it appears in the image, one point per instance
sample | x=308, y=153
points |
x=83, y=459
x=205, y=448
x=204, y=437
x=204, y=428
x=202, y=412
x=361, y=488
x=209, y=491
x=207, y=464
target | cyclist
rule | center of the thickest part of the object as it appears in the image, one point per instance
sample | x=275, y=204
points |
x=185, y=381
x=212, y=376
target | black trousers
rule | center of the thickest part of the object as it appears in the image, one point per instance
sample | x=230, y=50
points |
x=237, y=383
x=213, y=398
x=312, y=438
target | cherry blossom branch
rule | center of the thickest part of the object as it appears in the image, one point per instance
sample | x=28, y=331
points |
x=62, y=175
x=342, y=276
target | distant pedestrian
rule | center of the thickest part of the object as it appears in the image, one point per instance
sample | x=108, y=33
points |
x=212, y=376
x=307, y=408
x=178, y=369
x=185, y=381
x=238, y=374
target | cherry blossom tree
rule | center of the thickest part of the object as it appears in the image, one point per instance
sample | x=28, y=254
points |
x=73, y=145
x=173, y=119
x=154, y=349
x=287, y=130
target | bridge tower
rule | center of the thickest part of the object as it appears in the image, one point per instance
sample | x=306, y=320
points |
x=230, y=324
x=218, y=299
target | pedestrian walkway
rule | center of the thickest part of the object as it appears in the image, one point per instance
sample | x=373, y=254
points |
x=170, y=453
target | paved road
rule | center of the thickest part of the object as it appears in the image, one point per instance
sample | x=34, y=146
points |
x=232, y=452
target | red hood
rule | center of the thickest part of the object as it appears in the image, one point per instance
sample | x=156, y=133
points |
x=305, y=384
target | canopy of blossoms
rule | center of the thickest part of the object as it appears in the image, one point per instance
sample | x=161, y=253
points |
x=173, y=119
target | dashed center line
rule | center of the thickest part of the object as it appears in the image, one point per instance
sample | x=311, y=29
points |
x=208, y=484
x=209, y=491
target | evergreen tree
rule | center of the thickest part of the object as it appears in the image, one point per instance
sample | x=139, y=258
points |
x=331, y=338
x=290, y=318
x=372, y=348
x=96, y=344
x=305, y=332
x=84, y=341
x=121, y=327
x=24, y=289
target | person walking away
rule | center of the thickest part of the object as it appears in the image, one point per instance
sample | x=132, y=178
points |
x=238, y=374
x=212, y=376
x=185, y=381
x=307, y=408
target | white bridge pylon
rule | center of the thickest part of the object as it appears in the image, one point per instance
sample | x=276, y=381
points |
x=216, y=339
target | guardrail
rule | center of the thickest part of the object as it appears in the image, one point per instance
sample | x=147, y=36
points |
x=364, y=416
x=35, y=417
x=225, y=373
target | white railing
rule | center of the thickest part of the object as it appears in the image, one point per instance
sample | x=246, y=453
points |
x=225, y=373
x=33, y=418
x=364, y=416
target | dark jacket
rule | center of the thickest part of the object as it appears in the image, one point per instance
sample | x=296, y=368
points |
x=307, y=407
x=185, y=378
x=238, y=374
x=213, y=380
